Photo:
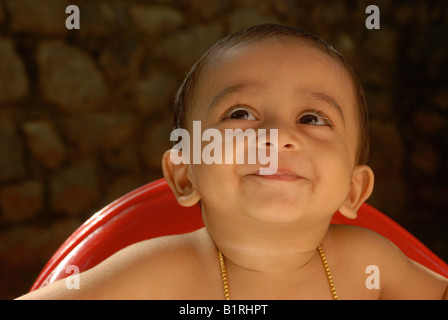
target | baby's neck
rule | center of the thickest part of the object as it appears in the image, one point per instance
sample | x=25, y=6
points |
x=273, y=251
x=268, y=262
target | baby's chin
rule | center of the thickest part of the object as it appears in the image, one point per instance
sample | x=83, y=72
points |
x=277, y=212
x=285, y=189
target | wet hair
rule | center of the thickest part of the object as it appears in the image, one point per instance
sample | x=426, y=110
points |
x=288, y=34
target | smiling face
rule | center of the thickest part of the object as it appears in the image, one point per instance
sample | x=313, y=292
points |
x=309, y=99
x=306, y=96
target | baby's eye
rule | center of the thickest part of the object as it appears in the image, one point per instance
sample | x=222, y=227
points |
x=240, y=113
x=315, y=118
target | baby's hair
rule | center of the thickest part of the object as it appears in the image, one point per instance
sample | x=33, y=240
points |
x=186, y=93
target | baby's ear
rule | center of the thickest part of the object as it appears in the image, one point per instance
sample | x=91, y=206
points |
x=361, y=187
x=180, y=180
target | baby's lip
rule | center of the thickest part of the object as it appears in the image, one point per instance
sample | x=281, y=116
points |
x=281, y=174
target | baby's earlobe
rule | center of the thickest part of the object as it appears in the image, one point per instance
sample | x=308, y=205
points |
x=177, y=177
x=189, y=199
x=348, y=211
x=360, y=189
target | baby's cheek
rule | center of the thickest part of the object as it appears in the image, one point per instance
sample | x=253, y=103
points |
x=337, y=178
x=209, y=179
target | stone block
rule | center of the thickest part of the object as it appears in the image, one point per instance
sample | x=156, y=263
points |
x=100, y=131
x=38, y=17
x=387, y=149
x=244, y=18
x=44, y=143
x=69, y=77
x=156, y=142
x=13, y=78
x=121, y=62
x=440, y=98
x=155, y=19
x=12, y=162
x=184, y=48
x=74, y=189
x=207, y=9
x=101, y=19
x=22, y=201
x=430, y=123
x=124, y=160
x=2, y=15
x=155, y=92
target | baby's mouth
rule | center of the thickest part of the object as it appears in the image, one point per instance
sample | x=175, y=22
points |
x=281, y=174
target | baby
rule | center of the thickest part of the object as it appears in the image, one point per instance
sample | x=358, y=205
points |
x=267, y=236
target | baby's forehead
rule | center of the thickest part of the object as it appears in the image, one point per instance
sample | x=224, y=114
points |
x=240, y=64
x=290, y=51
x=284, y=43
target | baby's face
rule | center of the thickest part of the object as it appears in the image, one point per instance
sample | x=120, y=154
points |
x=304, y=94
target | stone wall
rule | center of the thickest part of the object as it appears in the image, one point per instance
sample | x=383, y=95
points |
x=84, y=114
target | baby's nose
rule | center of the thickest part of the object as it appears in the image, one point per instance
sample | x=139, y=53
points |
x=286, y=138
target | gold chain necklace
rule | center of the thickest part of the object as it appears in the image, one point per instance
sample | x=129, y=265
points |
x=322, y=256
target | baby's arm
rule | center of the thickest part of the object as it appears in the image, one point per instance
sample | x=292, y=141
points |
x=416, y=282
x=132, y=273
x=104, y=281
x=403, y=278
x=398, y=276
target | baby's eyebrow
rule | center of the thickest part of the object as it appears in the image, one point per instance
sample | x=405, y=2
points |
x=245, y=86
x=229, y=90
x=325, y=97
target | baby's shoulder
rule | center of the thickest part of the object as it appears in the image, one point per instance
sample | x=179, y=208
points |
x=148, y=269
x=151, y=269
x=380, y=265
x=366, y=249
x=364, y=242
